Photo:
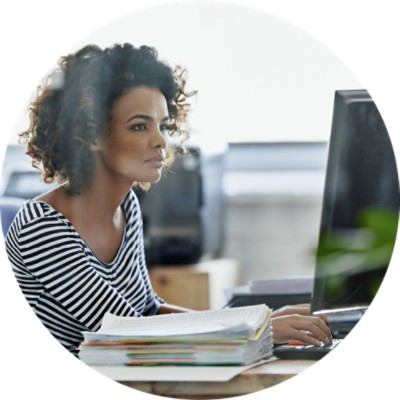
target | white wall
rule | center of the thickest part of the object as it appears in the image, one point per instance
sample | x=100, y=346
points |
x=274, y=236
x=259, y=78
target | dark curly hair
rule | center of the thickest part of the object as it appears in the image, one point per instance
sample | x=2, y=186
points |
x=73, y=106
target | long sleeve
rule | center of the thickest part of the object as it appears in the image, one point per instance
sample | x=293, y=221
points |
x=67, y=286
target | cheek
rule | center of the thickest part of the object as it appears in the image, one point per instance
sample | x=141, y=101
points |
x=123, y=151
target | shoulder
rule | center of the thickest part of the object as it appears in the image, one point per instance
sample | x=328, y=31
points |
x=131, y=198
x=32, y=211
x=131, y=203
x=133, y=215
x=35, y=215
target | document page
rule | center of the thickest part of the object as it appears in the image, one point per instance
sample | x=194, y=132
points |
x=241, y=319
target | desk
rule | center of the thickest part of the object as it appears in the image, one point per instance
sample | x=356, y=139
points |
x=199, y=286
x=249, y=381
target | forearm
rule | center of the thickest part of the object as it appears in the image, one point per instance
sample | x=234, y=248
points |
x=170, y=308
x=300, y=309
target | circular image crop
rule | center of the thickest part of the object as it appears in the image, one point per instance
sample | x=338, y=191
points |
x=200, y=196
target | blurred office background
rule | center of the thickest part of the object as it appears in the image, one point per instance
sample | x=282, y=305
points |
x=259, y=204
x=260, y=123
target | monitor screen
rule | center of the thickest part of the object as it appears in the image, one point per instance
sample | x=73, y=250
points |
x=360, y=206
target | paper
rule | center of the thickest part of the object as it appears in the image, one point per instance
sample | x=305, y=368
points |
x=228, y=323
x=173, y=374
x=228, y=337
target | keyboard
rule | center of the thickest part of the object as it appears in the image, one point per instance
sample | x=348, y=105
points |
x=304, y=351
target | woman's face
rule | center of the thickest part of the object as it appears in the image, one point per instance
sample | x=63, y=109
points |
x=134, y=149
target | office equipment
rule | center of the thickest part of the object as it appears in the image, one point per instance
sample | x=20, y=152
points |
x=359, y=215
x=275, y=293
x=305, y=351
x=183, y=215
x=360, y=206
x=240, y=336
x=18, y=178
x=9, y=207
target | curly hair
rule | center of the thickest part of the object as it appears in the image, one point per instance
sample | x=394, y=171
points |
x=73, y=107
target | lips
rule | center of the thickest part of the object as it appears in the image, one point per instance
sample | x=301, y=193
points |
x=156, y=159
x=156, y=162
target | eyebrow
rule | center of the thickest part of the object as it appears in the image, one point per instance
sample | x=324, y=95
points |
x=145, y=117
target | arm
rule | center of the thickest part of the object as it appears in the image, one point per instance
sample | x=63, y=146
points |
x=53, y=261
x=301, y=309
x=170, y=309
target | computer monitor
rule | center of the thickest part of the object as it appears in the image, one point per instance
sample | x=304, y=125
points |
x=360, y=207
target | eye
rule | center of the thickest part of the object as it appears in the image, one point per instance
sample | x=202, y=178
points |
x=166, y=128
x=138, y=127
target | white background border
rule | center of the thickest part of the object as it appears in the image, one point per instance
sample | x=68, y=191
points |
x=364, y=34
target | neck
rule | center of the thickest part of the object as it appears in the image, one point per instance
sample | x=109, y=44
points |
x=96, y=215
x=97, y=204
x=103, y=198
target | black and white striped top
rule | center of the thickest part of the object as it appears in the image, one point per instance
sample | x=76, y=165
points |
x=67, y=286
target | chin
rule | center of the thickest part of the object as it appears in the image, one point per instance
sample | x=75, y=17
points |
x=153, y=179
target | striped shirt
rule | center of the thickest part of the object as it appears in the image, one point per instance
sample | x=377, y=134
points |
x=67, y=286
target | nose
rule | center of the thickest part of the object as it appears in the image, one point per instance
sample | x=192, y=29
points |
x=159, y=139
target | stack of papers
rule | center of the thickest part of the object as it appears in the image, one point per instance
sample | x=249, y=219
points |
x=236, y=336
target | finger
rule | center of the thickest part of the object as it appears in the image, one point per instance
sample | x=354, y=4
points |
x=304, y=337
x=315, y=328
x=321, y=324
x=324, y=318
x=325, y=327
x=303, y=309
x=306, y=305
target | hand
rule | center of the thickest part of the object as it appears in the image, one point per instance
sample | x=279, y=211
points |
x=303, y=328
x=301, y=309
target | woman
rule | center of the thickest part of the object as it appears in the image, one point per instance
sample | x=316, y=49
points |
x=99, y=126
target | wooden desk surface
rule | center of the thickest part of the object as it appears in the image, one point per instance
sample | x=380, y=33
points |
x=249, y=381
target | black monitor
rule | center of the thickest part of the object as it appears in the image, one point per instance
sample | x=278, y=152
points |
x=360, y=207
